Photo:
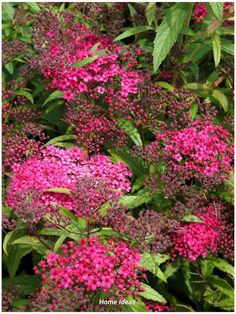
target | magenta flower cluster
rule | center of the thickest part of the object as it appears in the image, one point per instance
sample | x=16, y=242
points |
x=202, y=149
x=111, y=268
x=59, y=168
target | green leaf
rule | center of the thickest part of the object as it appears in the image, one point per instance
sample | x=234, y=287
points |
x=221, y=98
x=94, y=48
x=130, y=130
x=221, y=285
x=6, y=240
x=28, y=283
x=20, y=303
x=54, y=95
x=229, y=30
x=168, y=32
x=150, y=12
x=227, y=46
x=22, y=92
x=152, y=261
x=14, y=258
x=59, y=190
x=34, y=6
x=9, y=67
x=132, y=201
x=135, y=305
x=8, y=11
x=172, y=268
x=85, y=61
x=135, y=164
x=33, y=243
x=151, y=294
x=132, y=10
x=206, y=267
x=133, y=31
x=193, y=110
x=217, y=9
x=165, y=85
x=138, y=183
x=222, y=264
x=59, y=242
x=216, y=43
x=60, y=138
x=192, y=218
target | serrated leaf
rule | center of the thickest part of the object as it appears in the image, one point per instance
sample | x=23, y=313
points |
x=59, y=190
x=193, y=110
x=217, y=9
x=130, y=130
x=221, y=285
x=59, y=242
x=20, y=303
x=135, y=164
x=14, y=258
x=150, y=12
x=54, y=95
x=227, y=46
x=152, y=262
x=221, y=98
x=165, y=85
x=135, y=305
x=30, y=242
x=133, y=31
x=9, y=67
x=151, y=294
x=60, y=138
x=22, y=92
x=34, y=6
x=132, y=201
x=8, y=11
x=192, y=218
x=168, y=32
x=222, y=264
x=85, y=61
x=172, y=268
x=6, y=240
x=216, y=43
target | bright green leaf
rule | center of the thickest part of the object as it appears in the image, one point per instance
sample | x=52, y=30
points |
x=218, y=10
x=192, y=218
x=133, y=31
x=216, y=43
x=59, y=190
x=130, y=130
x=60, y=138
x=168, y=32
x=151, y=294
x=221, y=98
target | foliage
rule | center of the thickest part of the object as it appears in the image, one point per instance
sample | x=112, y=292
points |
x=118, y=156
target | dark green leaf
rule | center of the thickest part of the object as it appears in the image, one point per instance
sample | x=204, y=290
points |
x=55, y=95
x=130, y=130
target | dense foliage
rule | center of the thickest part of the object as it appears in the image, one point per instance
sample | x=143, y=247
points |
x=118, y=152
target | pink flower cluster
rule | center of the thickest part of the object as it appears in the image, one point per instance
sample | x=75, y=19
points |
x=71, y=169
x=197, y=239
x=111, y=268
x=95, y=76
x=200, y=12
x=156, y=307
x=202, y=149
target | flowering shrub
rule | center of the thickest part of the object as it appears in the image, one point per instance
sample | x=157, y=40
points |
x=118, y=157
